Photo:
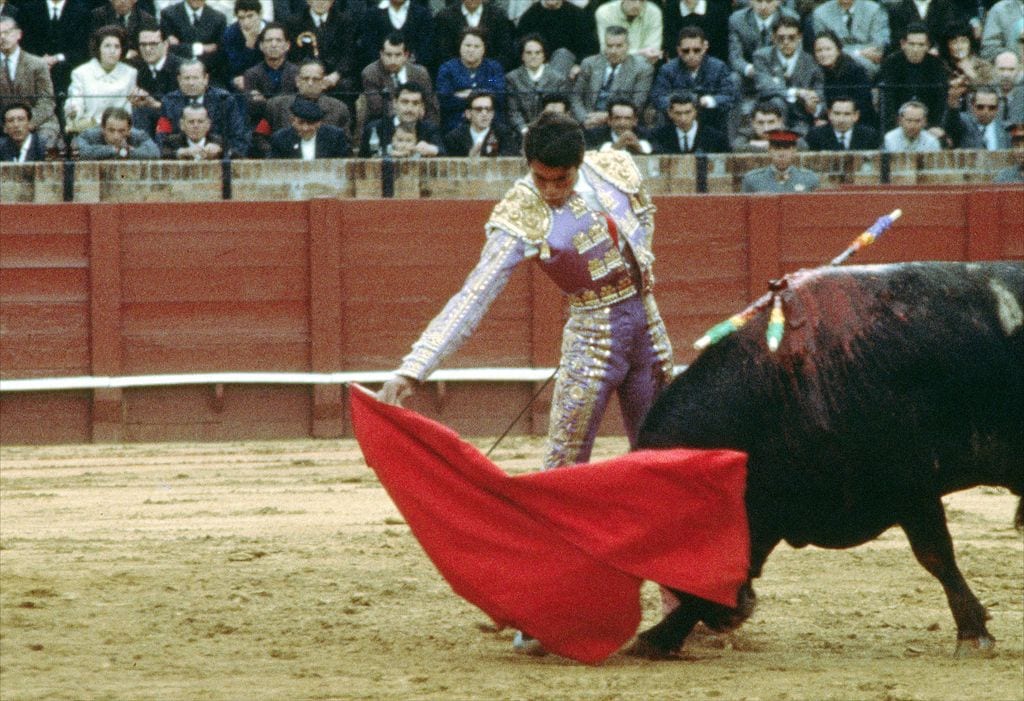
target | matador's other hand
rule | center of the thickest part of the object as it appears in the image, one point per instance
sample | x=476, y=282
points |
x=396, y=390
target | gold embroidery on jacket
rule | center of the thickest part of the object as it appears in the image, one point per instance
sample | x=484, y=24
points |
x=523, y=214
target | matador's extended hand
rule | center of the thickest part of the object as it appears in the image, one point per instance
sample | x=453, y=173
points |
x=397, y=389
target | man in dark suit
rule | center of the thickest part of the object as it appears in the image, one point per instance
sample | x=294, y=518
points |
x=939, y=14
x=710, y=16
x=418, y=29
x=310, y=87
x=912, y=73
x=27, y=80
x=195, y=141
x=275, y=75
x=55, y=33
x=449, y=23
x=272, y=76
x=226, y=112
x=19, y=144
x=408, y=110
x=308, y=138
x=842, y=133
x=394, y=68
x=694, y=71
x=620, y=132
x=126, y=14
x=686, y=132
x=157, y=75
x=326, y=32
x=480, y=135
x=563, y=26
x=194, y=30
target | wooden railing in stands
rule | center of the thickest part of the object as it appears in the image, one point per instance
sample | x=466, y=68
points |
x=449, y=178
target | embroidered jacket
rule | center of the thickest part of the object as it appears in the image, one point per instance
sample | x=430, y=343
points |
x=573, y=244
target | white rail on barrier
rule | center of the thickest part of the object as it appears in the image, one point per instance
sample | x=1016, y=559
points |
x=41, y=384
x=269, y=378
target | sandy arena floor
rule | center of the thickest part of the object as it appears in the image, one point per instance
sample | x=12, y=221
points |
x=282, y=571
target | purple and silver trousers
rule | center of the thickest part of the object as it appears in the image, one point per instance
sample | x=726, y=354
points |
x=620, y=348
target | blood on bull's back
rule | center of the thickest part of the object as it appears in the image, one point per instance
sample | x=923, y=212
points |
x=892, y=385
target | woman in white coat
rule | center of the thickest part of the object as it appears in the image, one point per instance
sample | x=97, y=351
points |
x=102, y=82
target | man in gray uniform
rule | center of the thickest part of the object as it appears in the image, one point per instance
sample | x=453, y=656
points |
x=781, y=175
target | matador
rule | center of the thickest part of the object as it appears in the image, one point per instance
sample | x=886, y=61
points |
x=588, y=221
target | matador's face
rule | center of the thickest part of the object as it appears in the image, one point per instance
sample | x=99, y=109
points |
x=554, y=183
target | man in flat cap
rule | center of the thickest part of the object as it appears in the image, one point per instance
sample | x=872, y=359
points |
x=308, y=137
x=1015, y=173
x=781, y=175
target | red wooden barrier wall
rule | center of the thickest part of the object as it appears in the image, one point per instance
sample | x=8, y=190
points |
x=334, y=285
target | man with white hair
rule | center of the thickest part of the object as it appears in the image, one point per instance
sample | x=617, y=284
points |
x=1010, y=84
x=911, y=135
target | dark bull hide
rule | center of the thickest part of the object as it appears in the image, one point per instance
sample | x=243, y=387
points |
x=893, y=385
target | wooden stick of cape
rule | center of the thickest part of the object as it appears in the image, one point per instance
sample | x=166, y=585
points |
x=562, y=554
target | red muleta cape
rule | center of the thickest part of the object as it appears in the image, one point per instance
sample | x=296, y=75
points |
x=561, y=554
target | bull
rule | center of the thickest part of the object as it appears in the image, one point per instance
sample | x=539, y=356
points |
x=893, y=386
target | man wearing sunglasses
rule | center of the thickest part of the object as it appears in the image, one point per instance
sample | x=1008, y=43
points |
x=979, y=127
x=694, y=71
x=788, y=76
x=481, y=134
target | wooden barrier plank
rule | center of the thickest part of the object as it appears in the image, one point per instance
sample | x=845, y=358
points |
x=221, y=249
x=764, y=229
x=1012, y=223
x=326, y=228
x=105, y=311
x=37, y=418
x=218, y=217
x=44, y=284
x=196, y=413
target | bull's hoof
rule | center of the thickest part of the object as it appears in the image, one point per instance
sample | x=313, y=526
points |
x=722, y=619
x=985, y=646
x=646, y=650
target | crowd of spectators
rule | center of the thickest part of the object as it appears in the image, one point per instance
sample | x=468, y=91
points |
x=211, y=79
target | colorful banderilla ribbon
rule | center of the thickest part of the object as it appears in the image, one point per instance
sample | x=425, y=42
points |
x=868, y=237
x=777, y=321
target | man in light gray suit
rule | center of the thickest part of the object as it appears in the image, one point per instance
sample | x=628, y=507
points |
x=911, y=136
x=750, y=29
x=979, y=127
x=26, y=78
x=862, y=26
x=788, y=76
x=616, y=73
x=1003, y=29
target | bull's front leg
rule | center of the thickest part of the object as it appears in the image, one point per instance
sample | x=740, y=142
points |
x=929, y=537
x=663, y=640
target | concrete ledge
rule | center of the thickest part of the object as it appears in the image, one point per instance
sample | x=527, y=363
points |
x=448, y=178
